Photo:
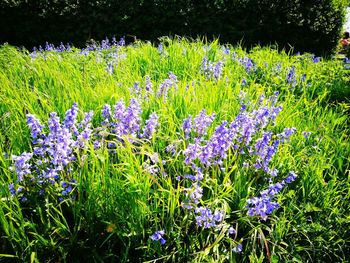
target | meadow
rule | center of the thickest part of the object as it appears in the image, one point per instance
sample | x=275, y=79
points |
x=179, y=152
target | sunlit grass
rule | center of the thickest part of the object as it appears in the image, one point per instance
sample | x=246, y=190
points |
x=120, y=205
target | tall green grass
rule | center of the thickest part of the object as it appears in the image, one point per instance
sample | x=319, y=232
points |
x=119, y=205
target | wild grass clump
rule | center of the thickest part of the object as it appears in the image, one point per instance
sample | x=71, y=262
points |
x=182, y=152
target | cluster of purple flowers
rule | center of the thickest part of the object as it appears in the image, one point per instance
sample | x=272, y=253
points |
x=212, y=70
x=105, y=44
x=263, y=205
x=206, y=218
x=238, y=134
x=247, y=134
x=248, y=64
x=50, y=47
x=127, y=120
x=198, y=125
x=56, y=147
x=53, y=151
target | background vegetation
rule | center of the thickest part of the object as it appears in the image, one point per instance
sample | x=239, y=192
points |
x=313, y=26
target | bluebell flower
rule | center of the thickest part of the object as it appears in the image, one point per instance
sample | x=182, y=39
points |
x=158, y=236
x=149, y=85
x=201, y=122
x=166, y=85
x=211, y=70
x=231, y=231
x=70, y=118
x=121, y=42
x=22, y=165
x=248, y=64
x=35, y=126
x=306, y=134
x=291, y=76
x=192, y=151
x=12, y=189
x=206, y=218
x=187, y=126
x=291, y=177
x=316, y=59
x=151, y=126
x=238, y=248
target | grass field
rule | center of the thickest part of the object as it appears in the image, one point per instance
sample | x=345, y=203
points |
x=182, y=152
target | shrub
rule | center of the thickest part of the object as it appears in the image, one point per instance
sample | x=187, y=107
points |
x=308, y=26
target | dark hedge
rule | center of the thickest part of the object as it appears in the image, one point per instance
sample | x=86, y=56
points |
x=313, y=26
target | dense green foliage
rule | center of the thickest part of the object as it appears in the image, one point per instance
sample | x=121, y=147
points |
x=312, y=26
x=119, y=204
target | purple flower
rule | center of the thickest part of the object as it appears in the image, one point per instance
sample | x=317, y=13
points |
x=285, y=135
x=316, y=59
x=211, y=70
x=291, y=177
x=150, y=127
x=232, y=231
x=106, y=112
x=248, y=64
x=149, y=85
x=119, y=111
x=12, y=189
x=306, y=134
x=291, y=76
x=237, y=248
x=261, y=206
x=158, y=236
x=202, y=122
x=166, y=85
x=187, y=126
x=132, y=118
x=217, y=71
x=121, y=42
x=192, y=151
x=21, y=165
x=206, y=218
x=34, y=125
x=70, y=118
